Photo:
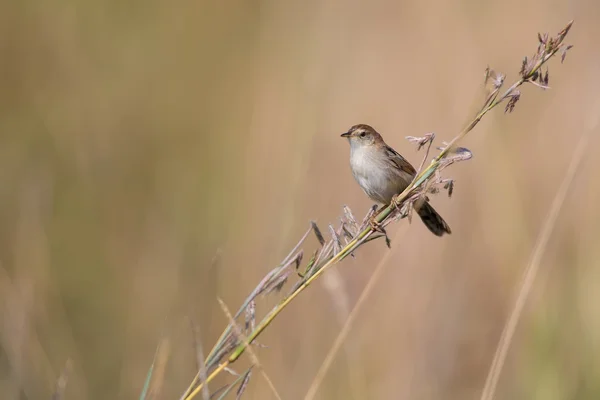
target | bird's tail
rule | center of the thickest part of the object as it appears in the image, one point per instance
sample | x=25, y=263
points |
x=432, y=220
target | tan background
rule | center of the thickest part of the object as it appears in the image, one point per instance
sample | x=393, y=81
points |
x=139, y=137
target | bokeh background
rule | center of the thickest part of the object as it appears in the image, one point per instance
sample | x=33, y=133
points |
x=157, y=155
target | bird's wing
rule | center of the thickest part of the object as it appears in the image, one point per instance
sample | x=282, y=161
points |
x=399, y=162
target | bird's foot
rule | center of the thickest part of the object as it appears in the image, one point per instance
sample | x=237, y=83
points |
x=376, y=226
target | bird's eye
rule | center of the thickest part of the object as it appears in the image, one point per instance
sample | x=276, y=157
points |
x=363, y=134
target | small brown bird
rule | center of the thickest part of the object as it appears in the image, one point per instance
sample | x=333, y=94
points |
x=382, y=173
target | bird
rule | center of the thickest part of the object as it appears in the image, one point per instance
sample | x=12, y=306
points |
x=381, y=172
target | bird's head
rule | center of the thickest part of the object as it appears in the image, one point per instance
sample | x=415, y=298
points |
x=362, y=135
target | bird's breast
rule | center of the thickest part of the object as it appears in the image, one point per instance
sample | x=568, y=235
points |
x=374, y=174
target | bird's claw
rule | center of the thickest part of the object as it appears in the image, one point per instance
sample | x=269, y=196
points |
x=376, y=226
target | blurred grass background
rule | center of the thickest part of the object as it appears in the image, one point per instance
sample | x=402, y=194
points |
x=139, y=139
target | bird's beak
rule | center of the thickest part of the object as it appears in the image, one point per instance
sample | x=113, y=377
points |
x=345, y=134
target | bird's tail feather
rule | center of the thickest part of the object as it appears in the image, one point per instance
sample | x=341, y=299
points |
x=432, y=220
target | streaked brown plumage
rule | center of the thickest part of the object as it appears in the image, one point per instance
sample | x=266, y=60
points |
x=382, y=173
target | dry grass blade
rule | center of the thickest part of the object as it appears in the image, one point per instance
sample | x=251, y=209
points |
x=243, y=378
x=243, y=385
x=274, y=280
x=337, y=244
x=343, y=334
x=318, y=233
x=200, y=366
x=253, y=356
x=350, y=220
x=295, y=249
x=61, y=382
x=421, y=142
x=250, y=322
x=156, y=376
x=531, y=271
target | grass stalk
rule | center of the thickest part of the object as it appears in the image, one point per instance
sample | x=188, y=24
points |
x=400, y=206
x=531, y=271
